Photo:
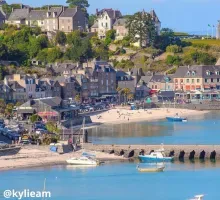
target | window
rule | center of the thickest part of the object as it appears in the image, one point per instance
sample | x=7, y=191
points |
x=218, y=80
x=198, y=80
x=187, y=80
x=106, y=24
x=188, y=73
x=206, y=80
x=212, y=80
x=208, y=73
x=68, y=28
x=106, y=17
x=193, y=73
x=193, y=81
x=217, y=73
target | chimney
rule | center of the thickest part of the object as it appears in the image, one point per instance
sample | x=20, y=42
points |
x=97, y=10
x=114, y=14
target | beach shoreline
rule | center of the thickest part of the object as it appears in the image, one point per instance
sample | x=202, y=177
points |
x=35, y=158
x=129, y=116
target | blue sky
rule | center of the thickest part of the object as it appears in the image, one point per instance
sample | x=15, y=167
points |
x=180, y=15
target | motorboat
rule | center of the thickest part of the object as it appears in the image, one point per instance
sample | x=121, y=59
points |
x=84, y=160
x=151, y=169
x=198, y=197
x=156, y=156
x=176, y=119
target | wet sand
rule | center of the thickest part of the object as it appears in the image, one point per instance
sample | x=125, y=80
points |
x=30, y=157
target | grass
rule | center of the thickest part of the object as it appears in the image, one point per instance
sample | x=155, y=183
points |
x=210, y=42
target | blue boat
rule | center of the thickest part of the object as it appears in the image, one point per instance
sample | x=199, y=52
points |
x=176, y=119
x=157, y=156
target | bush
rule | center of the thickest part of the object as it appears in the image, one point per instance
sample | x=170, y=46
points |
x=174, y=49
x=173, y=60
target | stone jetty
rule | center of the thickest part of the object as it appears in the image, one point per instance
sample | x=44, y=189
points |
x=181, y=152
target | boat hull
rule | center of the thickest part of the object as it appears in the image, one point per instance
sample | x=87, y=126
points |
x=154, y=159
x=159, y=169
x=175, y=119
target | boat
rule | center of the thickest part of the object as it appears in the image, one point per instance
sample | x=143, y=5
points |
x=152, y=169
x=198, y=197
x=176, y=119
x=155, y=156
x=84, y=160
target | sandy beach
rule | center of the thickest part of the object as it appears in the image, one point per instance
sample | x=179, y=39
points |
x=125, y=115
x=29, y=157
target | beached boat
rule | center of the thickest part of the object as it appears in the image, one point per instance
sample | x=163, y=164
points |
x=151, y=169
x=198, y=197
x=176, y=119
x=84, y=160
x=156, y=156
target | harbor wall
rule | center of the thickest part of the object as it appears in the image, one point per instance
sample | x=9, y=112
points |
x=190, y=152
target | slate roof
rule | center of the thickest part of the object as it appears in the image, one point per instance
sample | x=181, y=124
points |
x=2, y=14
x=69, y=12
x=57, y=10
x=113, y=14
x=37, y=15
x=182, y=71
x=15, y=85
x=145, y=79
x=19, y=14
x=154, y=16
x=120, y=22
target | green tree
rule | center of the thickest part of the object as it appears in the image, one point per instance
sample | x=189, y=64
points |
x=141, y=28
x=110, y=36
x=77, y=98
x=52, y=127
x=174, y=49
x=83, y=4
x=2, y=72
x=9, y=108
x=173, y=60
x=126, y=92
x=34, y=118
x=53, y=54
x=92, y=19
x=167, y=32
x=60, y=38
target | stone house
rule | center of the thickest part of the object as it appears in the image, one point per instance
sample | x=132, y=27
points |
x=105, y=20
x=69, y=87
x=18, y=16
x=161, y=82
x=120, y=28
x=202, y=78
x=72, y=19
x=36, y=18
x=51, y=22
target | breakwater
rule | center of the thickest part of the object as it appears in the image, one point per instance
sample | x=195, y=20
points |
x=181, y=152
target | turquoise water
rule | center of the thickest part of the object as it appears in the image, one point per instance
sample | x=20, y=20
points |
x=119, y=181
x=204, y=129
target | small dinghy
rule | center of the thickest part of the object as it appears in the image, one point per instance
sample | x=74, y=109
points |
x=176, y=118
x=151, y=169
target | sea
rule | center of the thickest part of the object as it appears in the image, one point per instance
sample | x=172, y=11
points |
x=121, y=180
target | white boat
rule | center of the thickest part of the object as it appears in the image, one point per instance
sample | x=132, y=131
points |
x=82, y=161
x=156, y=156
x=198, y=197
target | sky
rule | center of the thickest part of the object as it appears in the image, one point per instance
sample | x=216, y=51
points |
x=192, y=16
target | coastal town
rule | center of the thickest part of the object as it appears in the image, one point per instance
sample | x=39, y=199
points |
x=81, y=88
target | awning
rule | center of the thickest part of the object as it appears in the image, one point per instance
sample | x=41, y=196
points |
x=207, y=86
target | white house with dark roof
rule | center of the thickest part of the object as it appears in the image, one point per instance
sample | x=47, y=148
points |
x=36, y=18
x=105, y=20
x=18, y=16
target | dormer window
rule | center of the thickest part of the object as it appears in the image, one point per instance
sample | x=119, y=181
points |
x=188, y=73
x=54, y=14
x=217, y=72
x=208, y=73
x=48, y=14
x=193, y=73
